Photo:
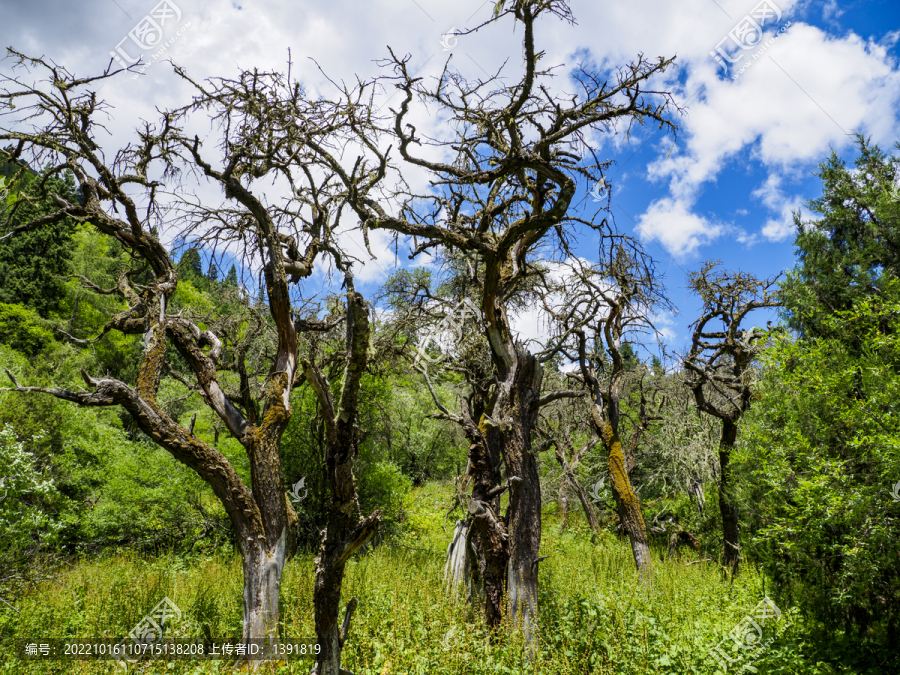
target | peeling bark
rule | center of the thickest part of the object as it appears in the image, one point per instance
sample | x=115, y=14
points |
x=458, y=572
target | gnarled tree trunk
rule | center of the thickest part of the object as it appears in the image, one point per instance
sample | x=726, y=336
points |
x=263, y=555
x=517, y=408
x=628, y=505
x=345, y=531
x=487, y=536
x=727, y=502
x=344, y=534
x=489, y=532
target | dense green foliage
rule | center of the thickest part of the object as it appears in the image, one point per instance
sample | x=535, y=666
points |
x=852, y=251
x=820, y=460
x=21, y=329
x=816, y=466
x=33, y=263
x=821, y=455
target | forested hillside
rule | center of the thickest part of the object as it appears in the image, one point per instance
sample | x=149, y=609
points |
x=205, y=402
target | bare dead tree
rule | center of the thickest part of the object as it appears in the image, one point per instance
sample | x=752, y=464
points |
x=646, y=413
x=719, y=371
x=680, y=454
x=505, y=190
x=595, y=308
x=485, y=528
x=55, y=122
x=346, y=530
x=271, y=124
x=481, y=540
x=62, y=127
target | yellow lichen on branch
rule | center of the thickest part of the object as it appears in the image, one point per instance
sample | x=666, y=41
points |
x=152, y=364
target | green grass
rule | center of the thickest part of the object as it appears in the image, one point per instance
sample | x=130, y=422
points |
x=596, y=615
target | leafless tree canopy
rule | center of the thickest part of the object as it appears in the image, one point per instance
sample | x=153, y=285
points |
x=291, y=170
x=719, y=370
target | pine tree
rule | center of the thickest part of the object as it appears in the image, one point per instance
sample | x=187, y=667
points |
x=629, y=356
x=213, y=273
x=189, y=267
x=33, y=264
x=852, y=251
x=231, y=279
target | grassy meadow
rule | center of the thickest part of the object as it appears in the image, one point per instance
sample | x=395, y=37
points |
x=596, y=616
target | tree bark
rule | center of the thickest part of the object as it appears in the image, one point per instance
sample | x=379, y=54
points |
x=589, y=512
x=343, y=536
x=727, y=503
x=458, y=572
x=517, y=408
x=345, y=531
x=263, y=557
x=628, y=505
x=563, y=504
x=263, y=565
x=489, y=532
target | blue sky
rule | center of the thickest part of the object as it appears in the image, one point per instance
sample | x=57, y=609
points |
x=745, y=152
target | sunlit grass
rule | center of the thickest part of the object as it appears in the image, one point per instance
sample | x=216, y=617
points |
x=596, y=615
